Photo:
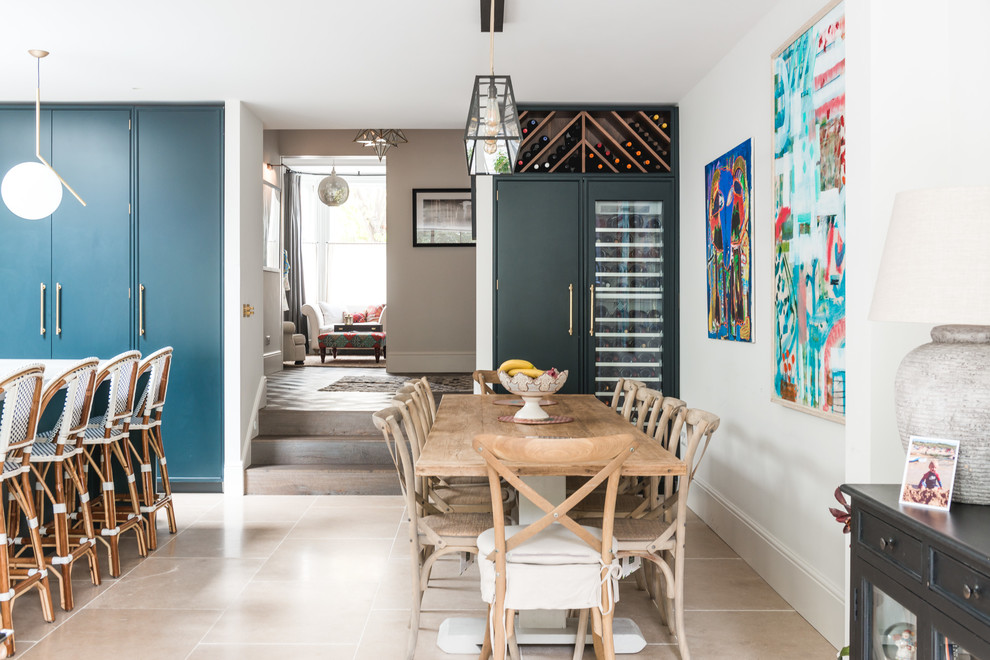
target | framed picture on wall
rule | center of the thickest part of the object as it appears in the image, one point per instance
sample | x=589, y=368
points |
x=728, y=245
x=808, y=185
x=442, y=217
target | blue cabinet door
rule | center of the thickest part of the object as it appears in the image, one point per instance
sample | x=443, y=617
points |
x=179, y=224
x=25, y=249
x=91, y=245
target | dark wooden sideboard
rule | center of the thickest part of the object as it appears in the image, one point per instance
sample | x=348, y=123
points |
x=920, y=569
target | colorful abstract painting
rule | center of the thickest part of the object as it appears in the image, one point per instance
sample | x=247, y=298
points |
x=809, y=206
x=728, y=193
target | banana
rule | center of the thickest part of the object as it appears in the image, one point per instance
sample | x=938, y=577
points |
x=532, y=373
x=508, y=365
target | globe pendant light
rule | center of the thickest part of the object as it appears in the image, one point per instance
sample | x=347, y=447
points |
x=33, y=190
x=493, y=120
x=333, y=191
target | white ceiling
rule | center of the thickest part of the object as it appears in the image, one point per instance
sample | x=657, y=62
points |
x=350, y=64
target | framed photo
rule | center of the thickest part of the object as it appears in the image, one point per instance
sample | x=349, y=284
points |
x=728, y=244
x=442, y=217
x=808, y=185
x=929, y=473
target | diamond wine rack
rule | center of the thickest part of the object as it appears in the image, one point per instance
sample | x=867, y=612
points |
x=629, y=141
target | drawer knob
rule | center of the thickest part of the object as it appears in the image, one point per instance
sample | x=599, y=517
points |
x=887, y=544
x=971, y=593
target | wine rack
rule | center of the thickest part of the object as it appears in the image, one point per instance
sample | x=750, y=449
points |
x=626, y=141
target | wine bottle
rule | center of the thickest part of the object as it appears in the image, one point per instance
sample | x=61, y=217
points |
x=530, y=125
x=561, y=150
x=552, y=159
x=544, y=140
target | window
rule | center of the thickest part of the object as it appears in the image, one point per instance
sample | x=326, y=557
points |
x=344, y=246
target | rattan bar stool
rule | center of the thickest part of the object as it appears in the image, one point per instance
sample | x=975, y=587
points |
x=108, y=432
x=56, y=465
x=20, y=396
x=145, y=441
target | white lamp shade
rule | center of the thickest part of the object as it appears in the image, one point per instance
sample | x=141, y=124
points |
x=31, y=190
x=934, y=267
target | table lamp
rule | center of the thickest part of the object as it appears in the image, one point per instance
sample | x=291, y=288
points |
x=936, y=269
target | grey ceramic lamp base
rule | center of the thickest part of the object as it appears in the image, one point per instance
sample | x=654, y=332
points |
x=942, y=390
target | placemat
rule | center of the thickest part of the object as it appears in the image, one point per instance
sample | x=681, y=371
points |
x=557, y=419
x=519, y=402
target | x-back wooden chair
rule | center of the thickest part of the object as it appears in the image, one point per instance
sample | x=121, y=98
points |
x=552, y=563
x=432, y=533
x=658, y=536
x=485, y=378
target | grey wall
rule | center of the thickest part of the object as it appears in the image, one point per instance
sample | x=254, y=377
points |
x=431, y=296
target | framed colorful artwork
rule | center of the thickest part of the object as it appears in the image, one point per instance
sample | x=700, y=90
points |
x=728, y=244
x=809, y=211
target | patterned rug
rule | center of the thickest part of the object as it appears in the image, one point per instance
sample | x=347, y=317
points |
x=439, y=383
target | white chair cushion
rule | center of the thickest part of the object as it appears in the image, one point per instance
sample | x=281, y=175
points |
x=554, y=545
x=555, y=570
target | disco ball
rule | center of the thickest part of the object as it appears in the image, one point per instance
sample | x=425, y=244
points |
x=333, y=190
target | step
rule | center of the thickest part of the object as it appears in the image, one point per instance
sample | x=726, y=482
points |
x=321, y=480
x=325, y=450
x=316, y=422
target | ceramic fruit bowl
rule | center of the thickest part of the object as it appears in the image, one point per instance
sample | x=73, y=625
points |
x=532, y=390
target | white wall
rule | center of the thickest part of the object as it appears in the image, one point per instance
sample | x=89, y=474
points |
x=243, y=336
x=913, y=120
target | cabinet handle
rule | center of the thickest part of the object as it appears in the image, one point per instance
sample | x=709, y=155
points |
x=43, y=309
x=971, y=593
x=591, y=328
x=570, y=309
x=887, y=544
x=58, y=309
x=141, y=308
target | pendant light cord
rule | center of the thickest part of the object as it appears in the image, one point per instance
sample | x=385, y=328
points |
x=491, y=40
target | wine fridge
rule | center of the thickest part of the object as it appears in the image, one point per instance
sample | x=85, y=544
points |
x=628, y=294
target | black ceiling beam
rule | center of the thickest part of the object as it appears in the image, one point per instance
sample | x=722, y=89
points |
x=486, y=11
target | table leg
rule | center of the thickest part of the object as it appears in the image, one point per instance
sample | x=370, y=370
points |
x=323, y=354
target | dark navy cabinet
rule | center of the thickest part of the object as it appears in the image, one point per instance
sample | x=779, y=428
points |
x=139, y=267
x=586, y=277
x=179, y=239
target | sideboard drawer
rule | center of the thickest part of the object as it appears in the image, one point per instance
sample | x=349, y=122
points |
x=898, y=547
x=967, y=587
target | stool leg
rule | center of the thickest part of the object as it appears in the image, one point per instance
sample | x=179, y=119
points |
x=323, y=353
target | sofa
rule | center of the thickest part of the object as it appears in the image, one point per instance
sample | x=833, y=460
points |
x=293, y=344
x=322, y=316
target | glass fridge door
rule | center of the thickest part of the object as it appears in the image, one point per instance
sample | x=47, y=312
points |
x=627, y=302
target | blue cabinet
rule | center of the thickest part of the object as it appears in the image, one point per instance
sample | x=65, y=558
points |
x=90, y=245
x=139, y=267
x=25, y=249
x=179, y=276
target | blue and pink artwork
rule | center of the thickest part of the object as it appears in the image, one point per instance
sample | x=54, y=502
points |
x=809, y=206
x=728, y=195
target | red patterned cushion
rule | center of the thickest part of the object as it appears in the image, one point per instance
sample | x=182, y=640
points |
x=359, y=317
x=374, y=313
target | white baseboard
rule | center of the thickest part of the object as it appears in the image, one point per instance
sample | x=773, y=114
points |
x=273, y=362
x=428, y=362
x=808, y=591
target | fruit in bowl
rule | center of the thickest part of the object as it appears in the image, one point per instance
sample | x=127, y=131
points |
x=522, y=378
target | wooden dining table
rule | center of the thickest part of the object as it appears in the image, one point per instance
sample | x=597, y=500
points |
x=448, y=453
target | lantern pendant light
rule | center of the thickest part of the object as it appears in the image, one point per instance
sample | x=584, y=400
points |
x=493, y=119
x=33, y=190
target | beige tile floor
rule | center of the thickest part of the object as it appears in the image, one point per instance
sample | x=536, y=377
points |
x=265, y=577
